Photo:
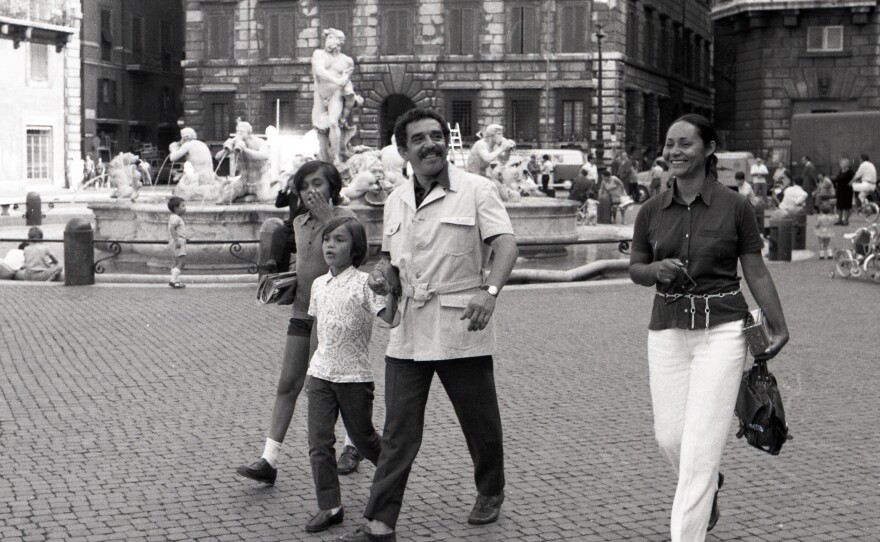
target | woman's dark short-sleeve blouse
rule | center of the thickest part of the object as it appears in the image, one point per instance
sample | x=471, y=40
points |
x=708, y=236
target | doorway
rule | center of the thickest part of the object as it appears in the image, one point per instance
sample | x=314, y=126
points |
x=392, y=107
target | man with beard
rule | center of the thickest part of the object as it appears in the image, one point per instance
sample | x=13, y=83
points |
x=439, y=227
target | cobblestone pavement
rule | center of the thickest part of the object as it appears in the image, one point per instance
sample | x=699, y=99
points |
x=126, y=410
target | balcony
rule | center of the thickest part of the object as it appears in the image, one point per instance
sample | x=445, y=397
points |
x=143, y=62
x=40, y=21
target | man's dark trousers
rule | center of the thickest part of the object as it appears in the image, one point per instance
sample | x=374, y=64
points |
x=470, y=385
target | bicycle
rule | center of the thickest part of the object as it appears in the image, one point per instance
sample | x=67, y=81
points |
x=870, y=209
x=863, y=258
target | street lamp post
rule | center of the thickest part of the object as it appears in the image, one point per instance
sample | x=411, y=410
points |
x=600, y=142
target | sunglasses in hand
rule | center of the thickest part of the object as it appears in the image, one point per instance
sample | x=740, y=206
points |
x=683, y=284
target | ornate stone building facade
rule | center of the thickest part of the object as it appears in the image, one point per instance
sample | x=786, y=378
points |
x=40, y=93
x=775, y=59
x=530, y=65
x=132, y=78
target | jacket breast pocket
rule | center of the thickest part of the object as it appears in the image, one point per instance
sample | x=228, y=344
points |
x=391, y=237
x=456, y=235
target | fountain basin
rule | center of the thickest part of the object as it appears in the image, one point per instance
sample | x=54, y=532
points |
x=534, y=220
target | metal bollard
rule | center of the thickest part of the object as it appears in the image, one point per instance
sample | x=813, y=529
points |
x=33, y=215
x=799, y=232
x=603, y=212
x=79, y=254
x=267, y=247
x=780, y=240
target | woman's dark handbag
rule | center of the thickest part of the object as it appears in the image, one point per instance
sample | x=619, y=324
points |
x=759, y=409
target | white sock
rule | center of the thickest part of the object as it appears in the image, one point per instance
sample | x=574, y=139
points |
x=271, y=451
x=335, y=510
x=348, y=441
x=175, y=274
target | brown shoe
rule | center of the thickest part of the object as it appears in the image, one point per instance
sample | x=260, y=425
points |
x=349, y=460
x=363, y=535
x=325, y=519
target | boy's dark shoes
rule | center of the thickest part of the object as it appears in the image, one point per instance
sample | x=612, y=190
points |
x=349, y=460
x=362, y=535
x=176, y=285
x=486, y=509
x=323, y=520
x=261, y=471
x=716, y=513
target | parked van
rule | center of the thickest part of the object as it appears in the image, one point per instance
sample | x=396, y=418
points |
x=568, y=162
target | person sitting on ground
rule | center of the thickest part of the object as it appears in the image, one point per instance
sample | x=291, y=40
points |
x=12, y=262
x=580, y=187
x=39, y=262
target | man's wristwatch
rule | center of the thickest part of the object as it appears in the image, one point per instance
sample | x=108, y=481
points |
x=491, y=290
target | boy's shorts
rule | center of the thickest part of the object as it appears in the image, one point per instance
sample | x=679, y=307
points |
x=177, y=252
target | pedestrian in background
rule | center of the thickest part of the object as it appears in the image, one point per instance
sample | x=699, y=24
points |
x=687, y=243
x=547, y=168
x=865, y=180
x=613, y=187
x=759, y=175
x=811, y=181
x=341, y=375
x=824, y=192
x=843, y=192
x=824, y=231
x=177, y=240
x=657, y=170
x=318, y=185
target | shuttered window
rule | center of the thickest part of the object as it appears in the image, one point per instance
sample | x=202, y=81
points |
x=397, y=38
x=106, y=35
x=279, y=33
x=463, y=24
x=337, y=14
x=137, y=37
x=573, y=17
x=218, y=34
x=523, y=29
x=218, y=117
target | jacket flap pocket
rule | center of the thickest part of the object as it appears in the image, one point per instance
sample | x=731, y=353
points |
x=459, y=220
x=391, y=229
x=455, y=300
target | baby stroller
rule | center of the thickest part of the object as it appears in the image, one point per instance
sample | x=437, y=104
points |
x=863, y=257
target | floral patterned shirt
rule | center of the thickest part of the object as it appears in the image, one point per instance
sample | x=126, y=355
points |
x=344, y=307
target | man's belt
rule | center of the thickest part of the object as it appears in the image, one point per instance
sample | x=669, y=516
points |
x=420, y=293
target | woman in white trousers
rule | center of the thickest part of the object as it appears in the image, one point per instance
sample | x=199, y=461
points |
x=687, y=243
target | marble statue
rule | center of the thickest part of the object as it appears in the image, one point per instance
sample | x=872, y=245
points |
x=126, y=174
x=249, y=157
x=198, y=179
x=490, y=147
x=334, y=97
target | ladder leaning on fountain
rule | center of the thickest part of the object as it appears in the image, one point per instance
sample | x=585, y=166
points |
x=455, y=145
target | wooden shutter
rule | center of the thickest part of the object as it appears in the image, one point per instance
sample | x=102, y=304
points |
x=515, y=45
x=470, y=20
x=531, y=30
x=455, y=35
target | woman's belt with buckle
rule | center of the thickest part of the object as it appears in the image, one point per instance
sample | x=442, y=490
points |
x=691, y=297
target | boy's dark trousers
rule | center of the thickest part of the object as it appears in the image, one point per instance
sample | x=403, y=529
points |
x=470, y=386
x=327, y=400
